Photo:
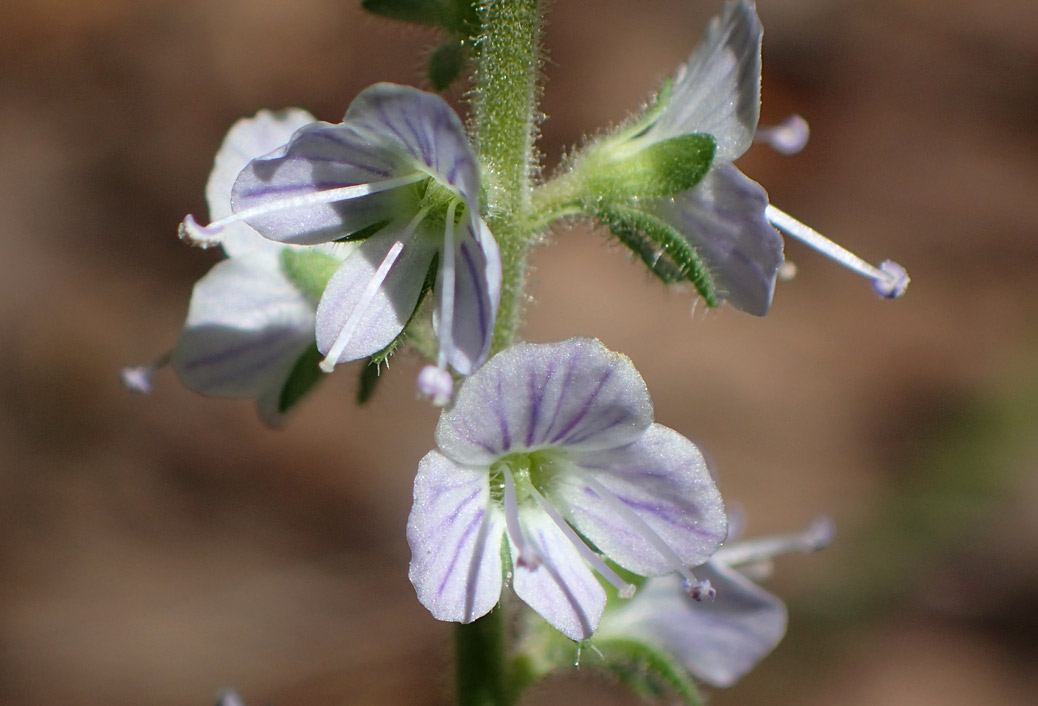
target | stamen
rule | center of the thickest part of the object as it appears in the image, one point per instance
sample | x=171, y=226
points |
x=354, y=317
x=641, y=527
x=447, y=295
x=787, y=138
x=890, y=279
x=816, y=536
x=624, y=589
x=527, y=556
x=138, y=378
x=206, y=236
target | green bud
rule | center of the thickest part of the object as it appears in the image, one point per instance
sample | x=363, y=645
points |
x=627, y=170
x=308, y=270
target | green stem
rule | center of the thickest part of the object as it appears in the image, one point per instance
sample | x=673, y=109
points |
x=506, y=96
x=505, y=128
x=482, y=665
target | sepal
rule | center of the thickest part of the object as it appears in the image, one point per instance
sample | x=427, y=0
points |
x=308, y=270
x=649, y=672
x=659, y=169
x=301, y=381
x=660, y=246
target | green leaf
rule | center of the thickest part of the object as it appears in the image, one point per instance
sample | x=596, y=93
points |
x=308, y=270
x=647, y=671
x=459, y=17
x=369, y=379
x=446, y=64
x=660, y=169
x=301, y=381
x=667, y=253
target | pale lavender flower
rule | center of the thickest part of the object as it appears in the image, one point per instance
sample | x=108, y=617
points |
x=398, y=173
x=717, y=641
x=542, y=442
x=726, y=217
x=248, y=323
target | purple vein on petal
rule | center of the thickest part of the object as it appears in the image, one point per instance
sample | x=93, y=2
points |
x=586, y=408
x=506, y=436
x=475, y=563
x=549, y=564
x=476, y=520
x=536, y=389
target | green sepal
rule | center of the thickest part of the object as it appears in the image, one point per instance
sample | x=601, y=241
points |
x=302, y=380
x=446, y=64
x=459, y=17
x=649, y=672
x=308, y=270
x=667, y=253
x=660, y=169
x=363, y=233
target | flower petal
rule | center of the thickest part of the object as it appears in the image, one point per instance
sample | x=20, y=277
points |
x=455, y=537
x=576, y=394
x=717, y=91
x=384, y=315
x=663, y=480
x=248, y=139
x=423, y=127
x=723, y=218
x=561, y=587
x=718, y=641
x=477, y=291
x=320, y=158
x=246, y=327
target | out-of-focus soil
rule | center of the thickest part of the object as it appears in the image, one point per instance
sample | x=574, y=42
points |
x=155, y=549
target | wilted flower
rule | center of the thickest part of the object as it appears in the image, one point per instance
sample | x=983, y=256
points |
x=250, y=322
x=399, y=174
x=717, y=641
x=542, y=442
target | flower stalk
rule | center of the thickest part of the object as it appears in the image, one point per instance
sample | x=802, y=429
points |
x=505, y=108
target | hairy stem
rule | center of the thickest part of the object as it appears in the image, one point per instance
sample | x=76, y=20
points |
x=505, y=102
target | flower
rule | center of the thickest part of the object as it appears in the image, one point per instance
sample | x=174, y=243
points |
x=250, y=322
x=544, y=441
x=398, y=173
x=718, y=641
x=726, y=217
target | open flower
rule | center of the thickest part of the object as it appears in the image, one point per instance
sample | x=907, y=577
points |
x=250, y=322
x=725, y=217
x=542, y=442
x=717, y=641
x=399, y=174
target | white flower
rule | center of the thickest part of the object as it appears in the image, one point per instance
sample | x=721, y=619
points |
x=542, y=442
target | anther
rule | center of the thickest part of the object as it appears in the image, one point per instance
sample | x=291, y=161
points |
x=890, y=279
x=787, y=138
x=435, y=384
x=699, y=591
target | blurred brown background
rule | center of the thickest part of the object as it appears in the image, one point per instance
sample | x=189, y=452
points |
x=155, y=549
